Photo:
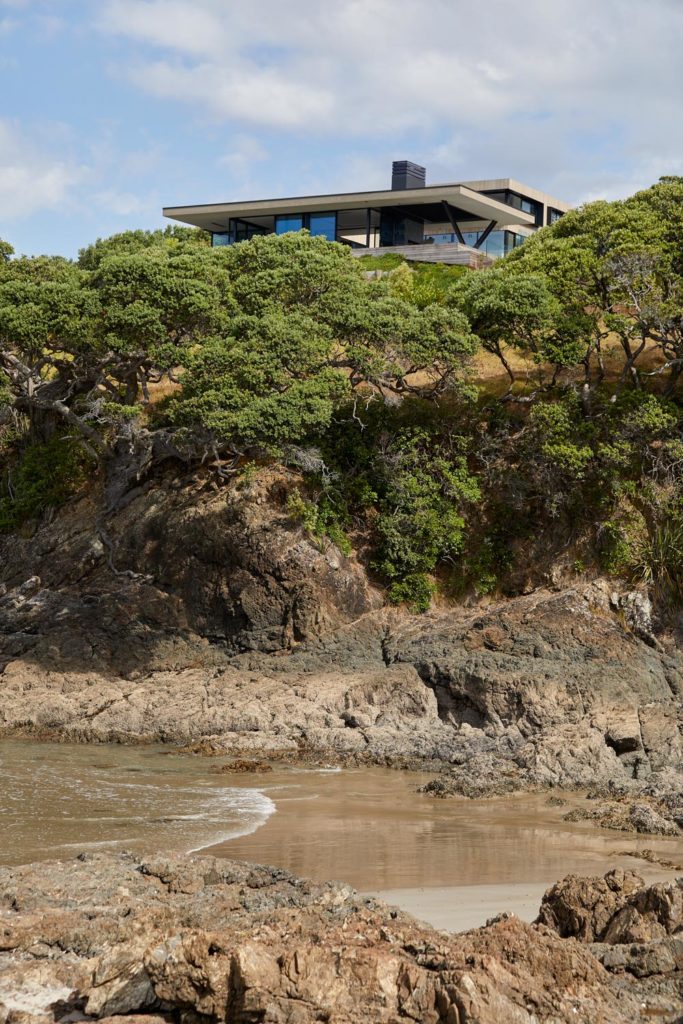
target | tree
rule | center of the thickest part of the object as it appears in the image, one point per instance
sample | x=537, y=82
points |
x=616, y=268
x=263, y=339
x=79, y=348
x=127, y=243
x=309, y=331
x=519, y=311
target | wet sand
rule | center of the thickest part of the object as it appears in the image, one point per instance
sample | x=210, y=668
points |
x=453, y=862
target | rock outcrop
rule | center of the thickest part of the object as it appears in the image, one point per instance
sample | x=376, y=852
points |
x=113, y=936
x=634, y=931
x=211, y=614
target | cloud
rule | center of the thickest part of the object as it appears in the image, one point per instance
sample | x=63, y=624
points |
x=514, y=78
x=245, y=151
x=122, y=204
x=259, y=97
x=173, y=24
x=31, y=180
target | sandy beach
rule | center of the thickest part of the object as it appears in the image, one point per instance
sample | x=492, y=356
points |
x=454, y=863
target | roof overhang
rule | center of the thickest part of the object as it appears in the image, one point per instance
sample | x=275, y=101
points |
x=215, y=216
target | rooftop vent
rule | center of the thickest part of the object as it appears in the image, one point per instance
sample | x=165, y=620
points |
x=405, y=174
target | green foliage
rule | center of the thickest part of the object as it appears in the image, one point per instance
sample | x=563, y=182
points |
x=387, y=261
x=161, y=301
x=44, y=305
x=425, y=488
x=415, y=590
x=402, y=473
x=558, y=432
x=6, y=396
x=266, y=387
x=617, y=267
x=44, y=477
x=307, y=331
x=517, y=311
x=423, y=284
x=320, y=519
x=6, y=251
x=485, y=559
x=616, y=553
x=659, y=558
x=130, y=243
x=76, y=343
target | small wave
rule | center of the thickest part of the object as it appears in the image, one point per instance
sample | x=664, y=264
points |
x=262, y=807
x=101, y=842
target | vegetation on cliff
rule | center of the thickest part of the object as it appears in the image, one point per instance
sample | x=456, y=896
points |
x=464, y=430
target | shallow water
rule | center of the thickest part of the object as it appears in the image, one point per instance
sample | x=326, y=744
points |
x=59, y=799
x=371, y=828
x=448, y=861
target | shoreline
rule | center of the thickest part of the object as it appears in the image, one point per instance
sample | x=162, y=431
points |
x=452, y=862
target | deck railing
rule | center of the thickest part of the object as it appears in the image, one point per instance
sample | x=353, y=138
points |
x=447, y=252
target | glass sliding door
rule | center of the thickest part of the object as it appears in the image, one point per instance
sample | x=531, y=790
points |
x=324, y=224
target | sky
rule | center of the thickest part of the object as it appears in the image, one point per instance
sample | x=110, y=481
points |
x=112, y=109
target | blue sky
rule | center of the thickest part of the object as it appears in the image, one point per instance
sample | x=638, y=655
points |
x=111, y=109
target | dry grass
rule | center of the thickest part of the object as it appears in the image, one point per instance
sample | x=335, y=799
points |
x=165, y=388
x=490, y=375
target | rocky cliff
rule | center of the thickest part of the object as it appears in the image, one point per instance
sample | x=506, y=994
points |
x=201, y=614
x=115, y=938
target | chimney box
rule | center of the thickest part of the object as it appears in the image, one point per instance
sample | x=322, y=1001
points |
x=406, y=174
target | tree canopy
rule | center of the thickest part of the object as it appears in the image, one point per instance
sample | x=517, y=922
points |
x=154, y=342
x=264, y=339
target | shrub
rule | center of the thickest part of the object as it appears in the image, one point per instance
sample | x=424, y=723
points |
x=615, y=551
x=44, y=477
x=659, y=558
x=320, y=519
x=415, y=590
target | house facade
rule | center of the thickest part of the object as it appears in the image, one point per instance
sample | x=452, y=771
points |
x=469, y=222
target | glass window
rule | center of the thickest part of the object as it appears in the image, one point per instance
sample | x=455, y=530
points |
x=324, y=224
x=392, y=228
x=244, y=230
x=553, y=215
x=495, y=244
x=289, y=222
x=440, y=239
x=222, y=238
x=471, y=237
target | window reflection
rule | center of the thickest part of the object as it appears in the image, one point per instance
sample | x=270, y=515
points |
x=288, y=222
x=324, y=224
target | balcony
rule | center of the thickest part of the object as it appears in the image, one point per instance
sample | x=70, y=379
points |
x=453, y=253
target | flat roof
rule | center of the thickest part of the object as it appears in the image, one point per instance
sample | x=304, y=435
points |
x=215, y=216
x=511, y=184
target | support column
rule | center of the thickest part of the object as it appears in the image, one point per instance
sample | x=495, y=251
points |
x=450, y=213
x=484, y=235
x=368, y=226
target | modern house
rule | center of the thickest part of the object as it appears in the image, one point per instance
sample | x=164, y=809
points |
x=469, y=222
